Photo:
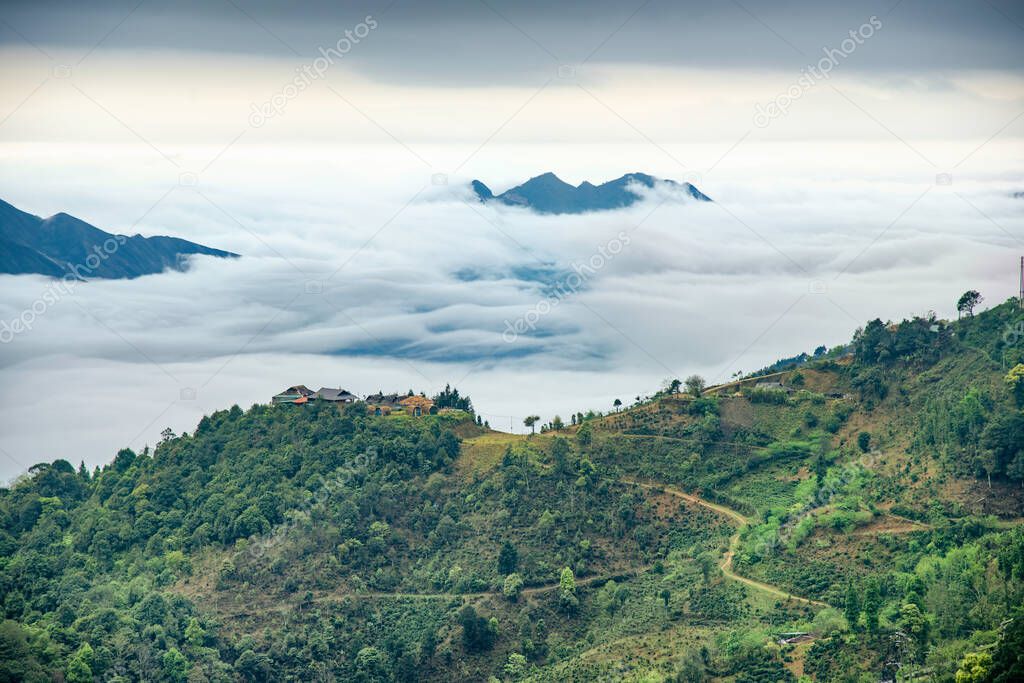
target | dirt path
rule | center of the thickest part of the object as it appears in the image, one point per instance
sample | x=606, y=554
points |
x=252, y=609
x=739, y=519
x=741, y=523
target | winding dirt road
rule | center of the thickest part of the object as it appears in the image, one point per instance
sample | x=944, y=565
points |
x=726, y=565
x=734, y=541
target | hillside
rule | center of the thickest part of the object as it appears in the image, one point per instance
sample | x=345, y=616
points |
x=866, y=506
x=64, y=246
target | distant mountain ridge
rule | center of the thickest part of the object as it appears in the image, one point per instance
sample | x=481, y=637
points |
x=63, y=245
x=549, y=194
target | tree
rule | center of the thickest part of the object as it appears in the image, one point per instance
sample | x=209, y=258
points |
x=454, y=576
x=567, y=581
x=80, y=665
x=252, y=666
x=673, y=386
x=851, y=610
x=194, y=633
x=78, y=672
x=864, y=442
x=967, y=302
x=1007, y=663
x=512, y=586
x=450, y=398
x=820, y=469
x=666, y=596
x=508, y=558
x=175, y=666
x=560, y=454
x=530, y=422
x=18, y=662
x=371, y=665
x=974, y=667
x=478, y=633
x=556, y=423
x=872, y=604
x=707, y=562
x=695, y=385
x=913, y=623
x=1003, y=438
x=1015, y=382
x=611, y=596
x=428, y=644
x=517, y=666
x=585, y=435
x=567, y=590
x=618, y=404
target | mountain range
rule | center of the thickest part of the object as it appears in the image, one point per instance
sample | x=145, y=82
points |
x=549, y=194
x=63, y=245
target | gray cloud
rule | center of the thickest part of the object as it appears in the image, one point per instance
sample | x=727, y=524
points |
x=500, y=43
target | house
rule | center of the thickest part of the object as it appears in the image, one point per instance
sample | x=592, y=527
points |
x=293, y=394
x=383, y=404
x=418, y=405
x=335, y=395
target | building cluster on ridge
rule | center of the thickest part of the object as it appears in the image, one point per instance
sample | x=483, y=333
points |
x=376, y=404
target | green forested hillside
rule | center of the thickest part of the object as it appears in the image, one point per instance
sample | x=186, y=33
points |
x=869, y=509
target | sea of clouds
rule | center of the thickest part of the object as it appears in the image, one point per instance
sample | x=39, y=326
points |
x=366, y=278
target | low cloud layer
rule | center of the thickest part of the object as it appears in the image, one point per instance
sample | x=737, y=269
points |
x=408, y=284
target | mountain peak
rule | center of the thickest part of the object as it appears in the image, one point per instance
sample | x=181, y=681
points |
x=546, y=179
x=63, y=244
x=482, y=191
x=549, y=194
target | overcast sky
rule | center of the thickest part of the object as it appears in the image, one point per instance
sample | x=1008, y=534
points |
x=882, y=188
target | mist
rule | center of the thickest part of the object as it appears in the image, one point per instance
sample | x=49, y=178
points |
x=410, y=283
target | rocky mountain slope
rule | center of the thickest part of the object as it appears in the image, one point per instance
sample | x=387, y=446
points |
x=63, y=245
x=549, y=194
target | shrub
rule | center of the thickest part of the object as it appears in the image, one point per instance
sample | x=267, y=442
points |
x=512, y=586
x=864, y=442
